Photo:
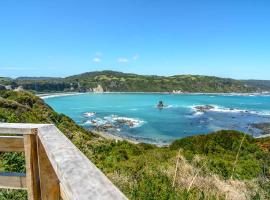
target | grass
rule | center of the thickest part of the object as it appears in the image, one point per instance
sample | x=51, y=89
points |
x=206, y=169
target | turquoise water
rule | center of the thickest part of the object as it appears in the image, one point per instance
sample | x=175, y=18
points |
x=179, y=119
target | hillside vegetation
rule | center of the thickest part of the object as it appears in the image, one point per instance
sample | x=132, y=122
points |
x=264, y=85
x=198, y=167
x=124, y=82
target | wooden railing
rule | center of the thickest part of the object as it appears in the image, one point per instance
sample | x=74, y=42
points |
x=55, y=168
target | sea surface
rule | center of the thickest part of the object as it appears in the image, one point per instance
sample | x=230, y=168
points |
x=136, y=116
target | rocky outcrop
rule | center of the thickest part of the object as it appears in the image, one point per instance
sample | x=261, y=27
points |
x=204, y=108
x=18, y=89
x=2, y=87
x=8, y=87
x=177, y=92
x=98, y=89
x=264, y=127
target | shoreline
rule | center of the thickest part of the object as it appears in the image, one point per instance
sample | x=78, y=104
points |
x=61, y=94
x=55, y=94
x=109, y=136
x=116, y=138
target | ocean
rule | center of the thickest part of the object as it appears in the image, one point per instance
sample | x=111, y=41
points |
x=136, y=116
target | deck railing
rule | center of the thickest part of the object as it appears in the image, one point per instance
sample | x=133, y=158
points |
x=55, y=168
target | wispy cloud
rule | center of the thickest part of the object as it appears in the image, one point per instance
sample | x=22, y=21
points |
x=96, y=59
x=135, y=57
x=122, y=60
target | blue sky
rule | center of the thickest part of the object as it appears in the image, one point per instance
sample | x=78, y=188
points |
x=229, y=38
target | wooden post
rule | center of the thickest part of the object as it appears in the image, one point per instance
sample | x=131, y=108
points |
x=31, y=159
x=49, y=183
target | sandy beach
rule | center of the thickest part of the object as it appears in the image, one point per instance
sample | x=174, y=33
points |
x=60, y=94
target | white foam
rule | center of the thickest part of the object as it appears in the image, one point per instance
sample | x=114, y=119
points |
x=216, y=108
x=116, y=120
x=198, y=113
x=96, y=122
x=131, y=122
x=170, y=106
x=89, y=114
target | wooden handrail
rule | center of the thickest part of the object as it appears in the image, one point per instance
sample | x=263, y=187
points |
x=55, y=168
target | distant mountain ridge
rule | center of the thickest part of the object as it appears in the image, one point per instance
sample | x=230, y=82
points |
x=37, y=78
x=114, y=81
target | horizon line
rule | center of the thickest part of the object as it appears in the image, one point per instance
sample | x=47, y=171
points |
x=98, y=71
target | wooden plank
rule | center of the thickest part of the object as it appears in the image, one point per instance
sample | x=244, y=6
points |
x=11, y=144
x=79, y=178
x=12, y=181
x=16, y=128
x=32, y=173
x=49, y=183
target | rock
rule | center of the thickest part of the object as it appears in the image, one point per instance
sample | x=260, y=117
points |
x=126, y=122
x=8, y=87
x=2, y=87
x=98, y=89
x=160, y=105
x=177, y=92
x=264, y=127
x=204, y=108
x=19, y=89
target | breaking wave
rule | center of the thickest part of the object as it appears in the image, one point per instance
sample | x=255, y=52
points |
x=89, y=114
x=116, y=121
x=220, y=109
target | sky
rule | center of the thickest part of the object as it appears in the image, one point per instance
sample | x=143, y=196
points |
x=226, y=38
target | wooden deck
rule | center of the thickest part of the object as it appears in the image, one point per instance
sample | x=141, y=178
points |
x=55, y=168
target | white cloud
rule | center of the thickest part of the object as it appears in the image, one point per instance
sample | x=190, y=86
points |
x=135, y=57
x=122, y=60
x=96, y=59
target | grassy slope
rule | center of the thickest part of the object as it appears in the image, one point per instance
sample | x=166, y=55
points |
x=145, y=171
x=124, y=82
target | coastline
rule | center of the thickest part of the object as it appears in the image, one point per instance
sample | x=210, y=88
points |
x=110, y=136
x=60, y=94
x=114, y=137
x=55, y=94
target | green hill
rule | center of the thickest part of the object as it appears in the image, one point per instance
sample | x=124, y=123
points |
x=199, y=167
x=126, y=82
x=264, y=85
x=5, y=80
